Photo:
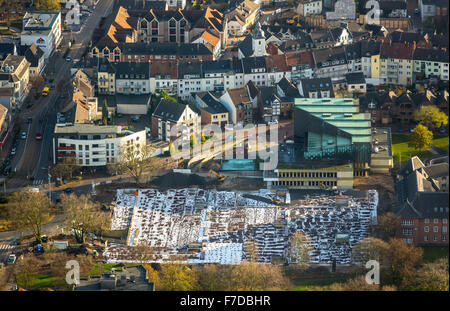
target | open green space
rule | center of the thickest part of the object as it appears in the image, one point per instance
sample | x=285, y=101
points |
x=433, y=253
x=40, y=280
x=402, y=152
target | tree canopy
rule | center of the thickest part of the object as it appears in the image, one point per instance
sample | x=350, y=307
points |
x=29, y=210
x=431, y=117
x=47, y=5
x=421, y=138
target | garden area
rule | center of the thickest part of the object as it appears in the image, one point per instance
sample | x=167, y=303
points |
x=402, y=152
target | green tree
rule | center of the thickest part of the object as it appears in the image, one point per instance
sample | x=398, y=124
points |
x=194, y=140
x=29, y=210
x=47, y=5
x=431, y=117
x=105, y=112
x=430, y=277
x=165, y=95
x=421, y=138
x=175, y=277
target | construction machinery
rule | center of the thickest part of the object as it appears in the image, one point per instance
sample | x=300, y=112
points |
x=219, y=177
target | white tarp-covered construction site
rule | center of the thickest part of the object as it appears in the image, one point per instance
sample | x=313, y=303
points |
x=208, y=226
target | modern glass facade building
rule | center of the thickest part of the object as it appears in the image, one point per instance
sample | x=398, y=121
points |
x=333, y=129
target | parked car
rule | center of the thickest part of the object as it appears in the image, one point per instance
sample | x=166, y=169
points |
x=12, y=258
x=38, y=136
x=68, y=59
x=13, y=151
x=30, y=120
x=68, y=190
x=24, y=135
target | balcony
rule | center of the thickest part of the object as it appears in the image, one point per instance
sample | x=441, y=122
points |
x=66, y=148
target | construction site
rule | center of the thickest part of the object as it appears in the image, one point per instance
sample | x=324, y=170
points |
x=196, y=226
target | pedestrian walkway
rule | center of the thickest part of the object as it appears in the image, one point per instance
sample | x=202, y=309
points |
x=6, y=248
x=38, y=182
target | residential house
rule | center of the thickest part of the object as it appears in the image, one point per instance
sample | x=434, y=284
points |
x=269, y=104
x=164, y=76
x=255, y=69
x=396, y=63
x=330, y=63
x=190, y=79
x=132, y=78
x=316, y=88
x=239, y=105
x=212, y=110
x=35, y=56
x=5, y=119
x=433, y=8
x=92, y=145
x=277, y=68
x=14, y=78
x=152, y=26
x=217, y=75
x=356, y=82
x=423, y=196
x=106, y=77
x=169, y=114
x=307, y=7
x=156, y=52
x=431, y=63
x=302, y=65
x=287, y=93
x=241, y=17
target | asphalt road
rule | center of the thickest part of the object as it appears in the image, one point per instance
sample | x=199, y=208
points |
x=33, y=156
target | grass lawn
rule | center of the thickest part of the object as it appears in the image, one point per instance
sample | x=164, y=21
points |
x=400, y=147
x=99, y=268
x=315, y=281
x=432, y=253
x=441, y=142
x=42, y=280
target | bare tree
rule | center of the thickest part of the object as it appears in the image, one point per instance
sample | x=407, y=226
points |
x=37, y=83
x=299, y=248
x=29, y=210
x=135, y=160
x=84, y=216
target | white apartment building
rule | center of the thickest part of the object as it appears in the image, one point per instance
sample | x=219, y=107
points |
x=306, y=7
x=93, y=145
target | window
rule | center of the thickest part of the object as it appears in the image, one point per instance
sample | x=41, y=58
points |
x=436, y=221
x=444, y=238
x=407, y=231
x=80, y=147
x=427, y=221
x=426, y=229
x=444, y=229
x=444, y=221
x=87, y=161
x=407, y=222
x=425, y=238
x=435, y=229
x=435, y=238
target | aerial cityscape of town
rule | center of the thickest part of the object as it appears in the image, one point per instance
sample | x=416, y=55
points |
x=224, y=145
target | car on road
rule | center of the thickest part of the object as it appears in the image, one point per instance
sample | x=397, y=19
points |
x=68, y=190
x=12, y=258
x=24, y=135
x=416, y=11
x=38, y=136
x=68, y=59
x=45, y=91
x=30, y=120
